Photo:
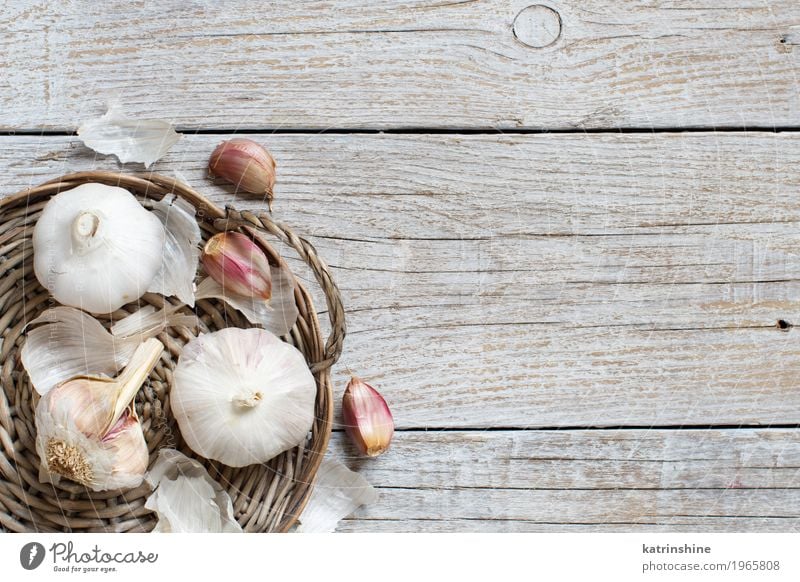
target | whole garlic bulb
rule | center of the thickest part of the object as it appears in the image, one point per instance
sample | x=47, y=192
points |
x=242, y=396
x=96, y=248
x=87, y=429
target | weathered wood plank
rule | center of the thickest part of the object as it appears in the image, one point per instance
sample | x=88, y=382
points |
x=601, y=480
x=540, y=280
x=402, y=63
x=675, y=525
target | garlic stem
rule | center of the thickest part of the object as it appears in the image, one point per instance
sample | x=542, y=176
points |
x=84, y=230
x=131, y=379
x=250, y=401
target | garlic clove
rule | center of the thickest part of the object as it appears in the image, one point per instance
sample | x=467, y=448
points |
x=238, y=264
x=367, y=418
x=245, y=164
x=126, y=442
x=86, y=400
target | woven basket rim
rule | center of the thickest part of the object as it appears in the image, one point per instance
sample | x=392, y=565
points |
x=169, y=184
x=158, y=186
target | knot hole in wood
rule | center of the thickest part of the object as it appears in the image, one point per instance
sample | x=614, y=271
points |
x=537, y=26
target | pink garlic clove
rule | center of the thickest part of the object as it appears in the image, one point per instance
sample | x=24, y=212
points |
x=238, y=264
x=246, y=165
x=367, y=418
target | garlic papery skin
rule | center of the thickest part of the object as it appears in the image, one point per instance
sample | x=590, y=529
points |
x=337, y=492
x=277, y=315
x=181, y=254
x=87, y=429
x=66, y=342
x=186, y=498
x=131, y=140
x=367, y=418
x=96, y=248
x=246, y=165
x=238, y=264
x=242, y=396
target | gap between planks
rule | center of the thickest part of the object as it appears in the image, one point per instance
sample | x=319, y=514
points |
x=435, y=131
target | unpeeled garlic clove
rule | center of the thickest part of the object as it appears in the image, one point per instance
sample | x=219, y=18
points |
x=367, y=418
x=85, y=400
x=245, y=164
x=238, y=264
x=126, y=442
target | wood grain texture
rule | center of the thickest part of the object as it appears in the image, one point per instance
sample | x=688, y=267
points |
x=599, y=480
x=539, y=281
x=402, y=63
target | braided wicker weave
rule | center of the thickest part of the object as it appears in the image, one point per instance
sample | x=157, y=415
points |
x=265, y=497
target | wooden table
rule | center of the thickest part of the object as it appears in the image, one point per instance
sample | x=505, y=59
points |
x=567, y=234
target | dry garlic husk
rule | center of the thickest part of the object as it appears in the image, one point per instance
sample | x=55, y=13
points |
x=186, y=498
x=69, y=343
x=87, y=429
x=337, y=492
x=148, y=322
x=242, y=396
x=131, y=140
x=245, y=164
x=96, y=248
x=66, y=342
x=278, y=314
x=181, y=254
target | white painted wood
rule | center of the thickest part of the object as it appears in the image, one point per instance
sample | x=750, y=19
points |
x=600, y=480
x=710, y=524
x=539, y=281
x=401, y=63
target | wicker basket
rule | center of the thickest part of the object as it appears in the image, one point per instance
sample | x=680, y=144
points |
x=266, y=497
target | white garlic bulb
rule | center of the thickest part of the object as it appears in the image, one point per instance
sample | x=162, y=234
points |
x=242, y=396
x=87, y=429
x=96, y=248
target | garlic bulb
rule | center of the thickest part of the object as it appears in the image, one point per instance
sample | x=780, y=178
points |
x=96, y=248
x=242, y=396
x=87, y=429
